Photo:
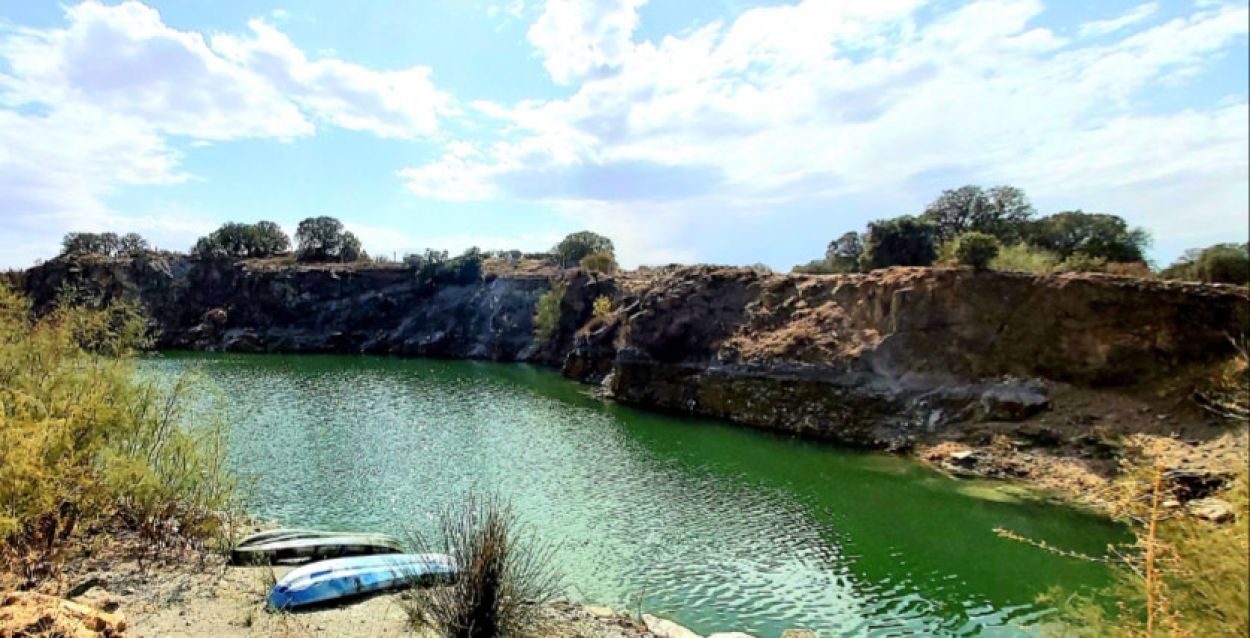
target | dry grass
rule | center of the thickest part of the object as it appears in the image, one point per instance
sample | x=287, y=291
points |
x=1180, y=577
x=506, y=574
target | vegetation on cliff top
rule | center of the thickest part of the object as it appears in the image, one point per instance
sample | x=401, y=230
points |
x=243, y=241
x=84, y=440
x=1069, y=241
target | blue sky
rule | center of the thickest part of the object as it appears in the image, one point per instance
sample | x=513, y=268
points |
x=728, y=132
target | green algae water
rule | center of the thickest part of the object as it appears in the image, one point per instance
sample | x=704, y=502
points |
x=717, y=526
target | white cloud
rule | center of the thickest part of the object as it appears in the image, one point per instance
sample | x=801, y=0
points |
x=823, y=99
x=127, y=62
x=579, y=40
x=86, y=109
x=402, y=104
x=1128, y=18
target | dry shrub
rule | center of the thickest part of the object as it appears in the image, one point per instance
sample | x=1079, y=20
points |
x=83, y=438
x=1137, y=269
x=1227, y=393
x=1180, y=577
x=506, y=574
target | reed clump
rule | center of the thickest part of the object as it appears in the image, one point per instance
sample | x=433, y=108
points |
x=85, y=441
x=506, y=574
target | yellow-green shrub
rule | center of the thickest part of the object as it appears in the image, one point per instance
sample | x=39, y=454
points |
x=602, y=262
x=547, y=314
x=602, y=307
x=84, y=438
x=1025, y=258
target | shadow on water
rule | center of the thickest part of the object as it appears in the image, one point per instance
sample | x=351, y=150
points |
x=718, y=526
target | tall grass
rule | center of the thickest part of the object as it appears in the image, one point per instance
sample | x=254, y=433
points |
x=85, y=440
x=506, y=574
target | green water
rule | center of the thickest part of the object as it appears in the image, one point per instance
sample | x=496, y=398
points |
x=717, y=526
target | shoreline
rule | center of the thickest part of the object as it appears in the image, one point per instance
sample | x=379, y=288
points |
x=112, y=589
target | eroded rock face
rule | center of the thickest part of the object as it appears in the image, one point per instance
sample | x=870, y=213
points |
x=207, y=305
x=880, y=359
x=884, y=358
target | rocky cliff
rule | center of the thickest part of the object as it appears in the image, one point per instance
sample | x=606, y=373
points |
x=885, y=358
x=880, y=359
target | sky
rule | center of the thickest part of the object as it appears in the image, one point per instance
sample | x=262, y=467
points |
x=720, y=131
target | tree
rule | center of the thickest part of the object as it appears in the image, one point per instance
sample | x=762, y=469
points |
x=575, y=247
x=102, y=244
x=1094, y=235
x=1002, y=211
x=269, y=240
x=902, y=241
x=132, y=244
x=243, y=241
x=434, y=268
x=843, y=253
x=1224, y=264
x=976, y=249
x=324, y=239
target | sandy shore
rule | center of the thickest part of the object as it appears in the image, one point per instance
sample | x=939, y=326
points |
x=189, y=592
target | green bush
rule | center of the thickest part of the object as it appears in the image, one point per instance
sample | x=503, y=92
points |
x=599, y=262
x=901, y=241
x=976, y=249
x=547, y=314
x=1024, y=258
x=1080, y=262
x=815, y=267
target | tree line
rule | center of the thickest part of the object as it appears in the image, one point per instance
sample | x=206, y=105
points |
x=325, y=240
x=999, y=228
x=984, y=228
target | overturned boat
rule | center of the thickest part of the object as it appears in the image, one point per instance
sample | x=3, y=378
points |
x=329, y=581
x=272, y=546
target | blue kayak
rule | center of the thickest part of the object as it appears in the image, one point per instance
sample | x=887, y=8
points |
x=330, y=580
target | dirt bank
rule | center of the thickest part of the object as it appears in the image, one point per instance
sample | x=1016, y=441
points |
x=183, y=592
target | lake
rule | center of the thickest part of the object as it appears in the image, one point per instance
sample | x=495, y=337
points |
x=719, y=527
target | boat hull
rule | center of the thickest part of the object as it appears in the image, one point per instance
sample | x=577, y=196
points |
x=286, y=545
x=328, y=581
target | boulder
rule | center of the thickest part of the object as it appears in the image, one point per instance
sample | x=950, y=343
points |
x=30, y=614
x=1212, y=509
x=1013, y=401
x=1191, y=484
x=664, y=628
